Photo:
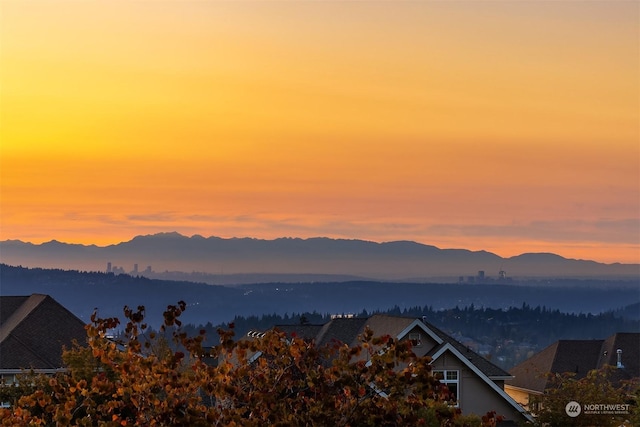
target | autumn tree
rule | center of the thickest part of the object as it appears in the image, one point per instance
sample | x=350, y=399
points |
x=598, y=387
x=273, y=380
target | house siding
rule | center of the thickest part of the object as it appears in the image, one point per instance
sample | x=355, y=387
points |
x=448, y=361
x=475, y=396
x=427, y=343
x=478, y=398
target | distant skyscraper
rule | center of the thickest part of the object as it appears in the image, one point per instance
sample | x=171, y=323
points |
x=108, y=267
x=135, y=268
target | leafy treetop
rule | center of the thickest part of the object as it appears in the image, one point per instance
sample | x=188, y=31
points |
x=274, y=380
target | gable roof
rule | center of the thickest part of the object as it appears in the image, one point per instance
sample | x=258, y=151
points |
x=347, y=329
x=489, y=369
x=579, y=357
x=473, y=367
x=33, y=330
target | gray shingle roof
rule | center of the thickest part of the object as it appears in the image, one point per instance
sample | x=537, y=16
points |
x=33, y=331
x=579, y=357
x=9, y=304
x=487, y=368
x=629, y=343
x=341, y=330
x=347, y=330
x=306, y=332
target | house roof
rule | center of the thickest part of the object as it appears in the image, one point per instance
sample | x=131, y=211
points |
x=33, y=331
x=9, y=304
x=579, y=357
x=341, y=330
x=306, y=332
x=488, y=368
x=629, y=344
x=448, y=347
x=346, y=330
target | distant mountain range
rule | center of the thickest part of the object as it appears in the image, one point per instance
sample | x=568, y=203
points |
x=301, y=258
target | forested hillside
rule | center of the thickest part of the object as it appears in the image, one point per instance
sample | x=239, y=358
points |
x=83, y=292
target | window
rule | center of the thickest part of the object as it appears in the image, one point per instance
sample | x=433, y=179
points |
x=451, y=380
x=416, y=339
x=8, y=379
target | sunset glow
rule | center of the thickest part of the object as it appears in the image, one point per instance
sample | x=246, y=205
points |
x=506, y=126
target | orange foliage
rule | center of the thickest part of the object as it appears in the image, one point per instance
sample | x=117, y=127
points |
x=274, y=380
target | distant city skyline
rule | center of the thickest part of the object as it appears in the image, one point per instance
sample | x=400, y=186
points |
x=510, y=127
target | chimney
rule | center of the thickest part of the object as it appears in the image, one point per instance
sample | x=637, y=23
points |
x=619, y=365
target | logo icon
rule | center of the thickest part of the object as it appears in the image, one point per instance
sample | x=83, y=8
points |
x=573, y=409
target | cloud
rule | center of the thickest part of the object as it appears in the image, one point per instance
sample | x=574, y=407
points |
x=604, y=239
x=604, y=230
x=94, y=218
x=153, y=217
x=272, y=225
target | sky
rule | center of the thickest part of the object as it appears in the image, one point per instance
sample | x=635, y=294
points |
x=507, y=126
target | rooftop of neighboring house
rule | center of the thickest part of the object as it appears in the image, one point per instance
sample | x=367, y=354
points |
x=579, y=357
x=347, y=330
x=432, y=341
x=33, y=331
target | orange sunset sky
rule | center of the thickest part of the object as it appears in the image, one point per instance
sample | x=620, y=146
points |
x=509, y=126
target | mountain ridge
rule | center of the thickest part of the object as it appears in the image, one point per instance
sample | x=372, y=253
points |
x=394, y=260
